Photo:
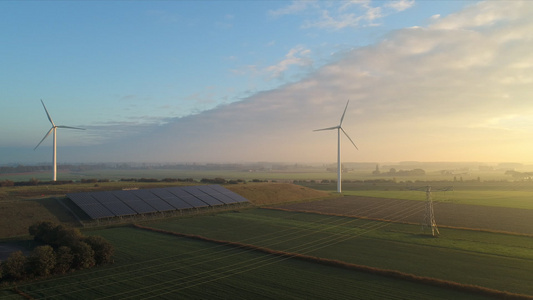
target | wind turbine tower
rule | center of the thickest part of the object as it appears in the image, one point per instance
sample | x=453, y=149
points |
x=339, y=129
x=54, y=130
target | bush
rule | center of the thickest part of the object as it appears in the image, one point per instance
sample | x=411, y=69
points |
x=43, y=232
x=42, y=260
x=169, y=180
x=66, y=236
x=6, y=183
x=103, y=250
x=64, y=260
x=89, y=180
x=16, y=265
x=83, y=256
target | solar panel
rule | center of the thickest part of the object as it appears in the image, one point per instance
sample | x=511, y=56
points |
x=134, y=202
x=232, y=195
x=96, y=211
x=215, y=194
x=188, y=198
x=112, y=203
x=195, y=191
x=106, y=204
x=90, y=206
x=153, y=200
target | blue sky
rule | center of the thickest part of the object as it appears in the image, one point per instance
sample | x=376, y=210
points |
x=137, y=73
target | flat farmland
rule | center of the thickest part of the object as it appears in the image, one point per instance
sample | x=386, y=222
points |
x=492, y=218
x=492, y=260
x=151, y=265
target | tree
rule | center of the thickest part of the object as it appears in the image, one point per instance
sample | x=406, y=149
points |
x=66, y=236
x=15, y=265
x=43, y=232
x=103, y=250
x=64, y=260
x=83, y=256
x=42, y=260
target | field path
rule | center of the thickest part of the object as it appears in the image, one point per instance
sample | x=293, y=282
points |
x=446, y=214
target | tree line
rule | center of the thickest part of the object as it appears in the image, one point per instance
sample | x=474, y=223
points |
x=63, y=249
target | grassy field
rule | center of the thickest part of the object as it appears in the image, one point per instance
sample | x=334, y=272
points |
x=181, y=268
x=155, y=265
x=499, y=261
x=505, y=198
x=498, y=194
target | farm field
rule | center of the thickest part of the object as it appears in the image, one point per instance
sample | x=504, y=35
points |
x=183, y=268
x=491, y=218
x=500, y=261
x=492, y=248
x=498, y=194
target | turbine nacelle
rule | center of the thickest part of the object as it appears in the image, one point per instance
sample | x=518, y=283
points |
x=339, y=127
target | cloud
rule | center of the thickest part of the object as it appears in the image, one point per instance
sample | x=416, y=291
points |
x=458, y=89
x=337, y=15
x=297, y=56
x=400, y=5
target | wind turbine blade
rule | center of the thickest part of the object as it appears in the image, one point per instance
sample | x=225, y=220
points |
x=69, y=127
x=47, y=114
x=342, y=118
x=349, y=138
x=47, y=134
x=329, y=128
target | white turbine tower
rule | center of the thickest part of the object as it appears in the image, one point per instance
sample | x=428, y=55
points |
x=53, y=129
x=339, y=129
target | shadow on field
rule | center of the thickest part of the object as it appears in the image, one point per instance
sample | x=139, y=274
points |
x=55, y=208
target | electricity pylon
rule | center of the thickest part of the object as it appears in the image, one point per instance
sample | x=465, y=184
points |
x=429, y=216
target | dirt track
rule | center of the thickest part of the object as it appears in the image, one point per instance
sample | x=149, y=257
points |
x=446, y=214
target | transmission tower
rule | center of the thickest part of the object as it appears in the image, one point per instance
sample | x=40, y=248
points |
x=429, y=216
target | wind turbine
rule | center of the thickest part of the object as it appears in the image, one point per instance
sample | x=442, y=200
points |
x=339, y=129
x=53, y=129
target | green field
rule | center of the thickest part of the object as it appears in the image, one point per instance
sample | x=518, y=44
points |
x=160, y=266
x=156, y=265
x=500, y=261
x=150, y=264
x=499, y=194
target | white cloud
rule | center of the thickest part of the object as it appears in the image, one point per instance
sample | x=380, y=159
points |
x=400, y=5
x=343, y=14
x=298, y=56
x=485, y=13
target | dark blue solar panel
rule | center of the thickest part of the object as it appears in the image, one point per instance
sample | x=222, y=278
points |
x=187, y=197
x=114, y=204
x=215, y=194
x=195, y=191
x=232, y=195
x=171, y=198
x=153, y=200
x=134, y=202
x=121, y=203
x=96, y=211
x=90, y=206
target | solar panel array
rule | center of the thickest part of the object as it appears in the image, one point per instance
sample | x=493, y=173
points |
x=107, y=204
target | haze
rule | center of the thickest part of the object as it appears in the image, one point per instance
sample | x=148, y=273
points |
x=249, y=81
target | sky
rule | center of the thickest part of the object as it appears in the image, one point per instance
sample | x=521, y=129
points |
x=248, y=81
